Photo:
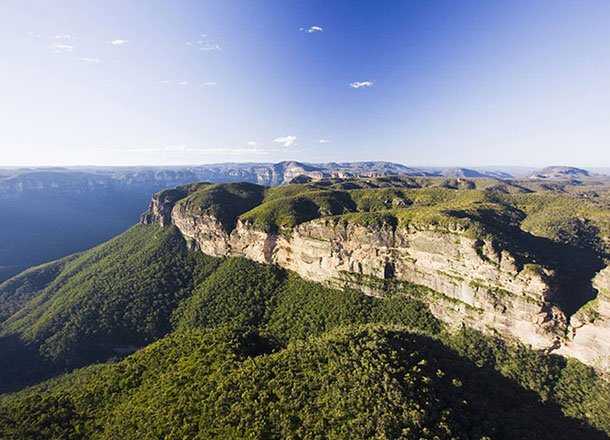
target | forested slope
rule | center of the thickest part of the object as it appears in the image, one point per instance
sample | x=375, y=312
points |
x=252, y=351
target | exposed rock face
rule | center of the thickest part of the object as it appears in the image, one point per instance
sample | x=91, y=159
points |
x=472, y=282
x=589, y=332
x=479, y=285
x=161, y=205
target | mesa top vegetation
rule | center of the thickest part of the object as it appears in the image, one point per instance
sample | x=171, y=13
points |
x=571, y=212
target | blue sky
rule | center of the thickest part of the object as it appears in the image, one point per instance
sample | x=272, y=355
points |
x=421, y=82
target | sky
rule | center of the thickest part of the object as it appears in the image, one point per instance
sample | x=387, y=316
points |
x=420, y=82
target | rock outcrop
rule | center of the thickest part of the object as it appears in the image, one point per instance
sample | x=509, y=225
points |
x=475, y=283
x=468, y=280
x=589, y=332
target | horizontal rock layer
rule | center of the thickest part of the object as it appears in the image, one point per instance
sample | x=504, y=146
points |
x=472, y=282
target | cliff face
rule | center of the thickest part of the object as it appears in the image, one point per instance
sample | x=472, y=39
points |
x=589, y=332
x=471, y=281
x=478, y=285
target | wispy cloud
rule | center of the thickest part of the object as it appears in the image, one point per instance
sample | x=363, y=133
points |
x=324, y=141
x=63, y=37
x=286, y=141
x=204, y=44
x=209, y=84
x=90, y=60
x=361, y=84
x=252, y=143
x=119, y=42
x=312, y=29
x=179, y=82
x=61, y=47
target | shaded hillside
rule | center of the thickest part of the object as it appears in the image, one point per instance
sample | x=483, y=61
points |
x=353, y=382
x=106, y=302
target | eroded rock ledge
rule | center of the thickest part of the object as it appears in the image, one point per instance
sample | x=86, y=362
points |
x=472, y=282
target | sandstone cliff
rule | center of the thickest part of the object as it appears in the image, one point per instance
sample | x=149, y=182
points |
x=471, y=280
x=589, y=332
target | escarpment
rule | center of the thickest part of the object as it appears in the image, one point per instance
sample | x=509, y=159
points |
x=470, y=272
x=589, y=332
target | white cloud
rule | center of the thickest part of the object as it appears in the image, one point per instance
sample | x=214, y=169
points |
x=286, y=141
x=91, y=60
x=63, y=37
x=119, y=42
x=204, y=44
x=361, y=84
x=312, y=29
x=324, y=141
x=252, y=143
x=62, y=48
x=209, y=84
x=175, y=82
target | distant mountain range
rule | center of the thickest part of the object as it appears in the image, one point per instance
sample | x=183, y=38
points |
x=86, y=179
x=51, y=212
x=270, y=174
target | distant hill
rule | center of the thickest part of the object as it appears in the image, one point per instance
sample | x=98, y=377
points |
x=469, y=173
x=560, y=172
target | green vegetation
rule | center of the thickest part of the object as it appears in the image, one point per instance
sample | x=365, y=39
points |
x=225, y=202
x=229, y=348
x=575, y=216
x=305, y=309
x=239, y=292
x=17, y=291
x=286, y=212
x=360, y=382
x=106, y=301
x=565, y=218
x=260, y=353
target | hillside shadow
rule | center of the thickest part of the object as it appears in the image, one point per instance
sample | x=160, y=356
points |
x=575, y=269
x=21, y=365
x=500, y=406
x=574, y=265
